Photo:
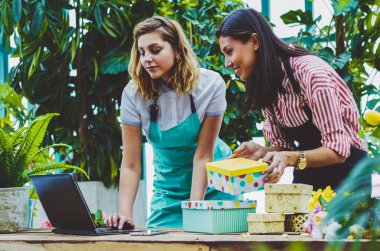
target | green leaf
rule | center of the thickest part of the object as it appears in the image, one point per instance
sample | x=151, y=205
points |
x=341, y=60
x=73, y=50
x=298, y=17
x=343, y=6
x=35, y=62
x=95, y=69
x=36, y=22
x=115, y=63
x=33, y=139
x=16, y=9
x=109, y=30
x=98, y=16
x=7, y=19
x=58, y=166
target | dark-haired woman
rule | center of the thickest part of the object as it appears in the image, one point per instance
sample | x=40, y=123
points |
x=311, y=118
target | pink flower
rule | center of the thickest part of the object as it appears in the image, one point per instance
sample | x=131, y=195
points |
x=46, y=224
x=310, y=224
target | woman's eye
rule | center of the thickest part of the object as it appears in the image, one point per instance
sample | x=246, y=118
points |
x=155, y=51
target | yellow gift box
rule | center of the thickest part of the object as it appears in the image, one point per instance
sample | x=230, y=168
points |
x=236, y=176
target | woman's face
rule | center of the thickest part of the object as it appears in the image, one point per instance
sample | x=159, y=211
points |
x=157, y=56
x=240, y=57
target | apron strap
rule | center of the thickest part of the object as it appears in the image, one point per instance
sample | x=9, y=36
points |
x=154, y=108
x=296, y=86
x=193, y=110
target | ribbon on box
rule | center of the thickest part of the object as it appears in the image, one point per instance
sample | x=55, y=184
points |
x=375, y=178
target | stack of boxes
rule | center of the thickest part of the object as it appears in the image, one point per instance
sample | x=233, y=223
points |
x=233, y=176
x=286, y=205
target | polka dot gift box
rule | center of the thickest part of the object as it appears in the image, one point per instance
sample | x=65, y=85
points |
x=236, y=176
x=217, y=216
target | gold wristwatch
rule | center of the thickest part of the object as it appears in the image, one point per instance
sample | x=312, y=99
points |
x=302, y=163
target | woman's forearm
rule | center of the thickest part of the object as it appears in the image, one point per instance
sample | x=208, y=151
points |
x=199, y=181
x=323, y=156
x=129, y=183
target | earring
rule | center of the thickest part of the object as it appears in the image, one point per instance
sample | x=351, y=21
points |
x=178, y=60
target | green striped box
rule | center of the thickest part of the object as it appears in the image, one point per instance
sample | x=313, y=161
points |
x=216, y=217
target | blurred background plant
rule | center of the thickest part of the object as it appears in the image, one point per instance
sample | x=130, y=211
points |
x=353, y=207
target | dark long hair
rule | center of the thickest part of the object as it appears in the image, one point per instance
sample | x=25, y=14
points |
x=262, y=87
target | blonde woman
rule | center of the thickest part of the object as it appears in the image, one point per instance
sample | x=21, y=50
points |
x=180, y=108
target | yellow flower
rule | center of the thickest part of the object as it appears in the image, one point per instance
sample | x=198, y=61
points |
x=313, y=202
x=372, y=117
x=328, y=194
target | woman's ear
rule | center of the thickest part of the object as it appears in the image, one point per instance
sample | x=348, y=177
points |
x=254, y=40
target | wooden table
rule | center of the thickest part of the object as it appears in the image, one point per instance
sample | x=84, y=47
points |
x=39, y=240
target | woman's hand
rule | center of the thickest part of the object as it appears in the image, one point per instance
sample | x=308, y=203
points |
x=119, y=221
x=278, y=160
x=249, y=150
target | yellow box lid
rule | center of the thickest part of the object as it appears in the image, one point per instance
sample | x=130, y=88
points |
x=236, y=167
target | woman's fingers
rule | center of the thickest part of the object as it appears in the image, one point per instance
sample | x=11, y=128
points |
x=240, y=149
x=122, y=221
x=114, y=220
x=269, y=157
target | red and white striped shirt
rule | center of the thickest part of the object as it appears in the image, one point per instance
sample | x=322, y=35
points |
x=332, y=105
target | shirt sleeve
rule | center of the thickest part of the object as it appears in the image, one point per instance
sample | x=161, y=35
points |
x=218, y=103
x=327, y=113
x=273, y=133
x=129, y=115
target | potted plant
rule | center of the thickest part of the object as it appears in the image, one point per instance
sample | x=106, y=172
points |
x=21, y=155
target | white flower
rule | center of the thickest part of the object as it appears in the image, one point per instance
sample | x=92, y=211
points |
x=331, y=229
x=317, y=233
x=319, y=217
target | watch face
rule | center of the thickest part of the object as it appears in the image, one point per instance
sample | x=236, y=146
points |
x=301, y=165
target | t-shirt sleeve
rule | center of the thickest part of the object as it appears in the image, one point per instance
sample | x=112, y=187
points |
x=218, y=103
x=129, y=115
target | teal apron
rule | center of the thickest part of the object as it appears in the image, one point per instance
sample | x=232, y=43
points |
x=173, y=154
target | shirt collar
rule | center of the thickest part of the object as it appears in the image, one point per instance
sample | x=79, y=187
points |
x=164, y=87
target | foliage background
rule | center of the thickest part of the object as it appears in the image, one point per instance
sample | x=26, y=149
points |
x=78, y=68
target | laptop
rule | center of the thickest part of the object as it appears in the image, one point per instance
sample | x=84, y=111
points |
x=65, y=206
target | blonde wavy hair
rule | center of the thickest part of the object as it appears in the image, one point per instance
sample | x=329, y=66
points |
x=185, y=71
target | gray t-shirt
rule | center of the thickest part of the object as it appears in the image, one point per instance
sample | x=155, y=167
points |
x=209, y=99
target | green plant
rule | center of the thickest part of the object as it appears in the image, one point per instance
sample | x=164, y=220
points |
x=21, y=154
x=11, y=107
x=80, y=49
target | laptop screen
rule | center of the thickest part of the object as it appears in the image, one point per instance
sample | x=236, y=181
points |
x=63, y=202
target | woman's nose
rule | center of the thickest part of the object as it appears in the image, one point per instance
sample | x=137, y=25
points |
x=147, y=58
x=228, y=64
